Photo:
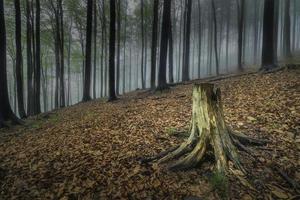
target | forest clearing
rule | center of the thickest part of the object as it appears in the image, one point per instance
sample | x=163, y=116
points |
x=93, y=150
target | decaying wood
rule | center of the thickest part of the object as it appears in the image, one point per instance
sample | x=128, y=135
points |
x=208, y=129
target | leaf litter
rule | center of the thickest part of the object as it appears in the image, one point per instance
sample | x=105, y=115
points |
x=93, y=150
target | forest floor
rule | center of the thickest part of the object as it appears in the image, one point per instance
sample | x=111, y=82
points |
x=92, y=150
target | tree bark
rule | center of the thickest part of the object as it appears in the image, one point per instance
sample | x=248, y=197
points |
x=112, y=40
x=215, y=36
x=37, y=71
x=88, y=50
x=6, y=112
x=118, y=47
x=268, y=37
x=208, y=129
x=95, y=50
x=19, y=60
x=241, y=16
x=186, y=50
x=287, y=29
x=154, y=43
x=165, y=28
x=143, y=44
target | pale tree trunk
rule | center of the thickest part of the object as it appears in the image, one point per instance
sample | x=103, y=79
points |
x=208, y=129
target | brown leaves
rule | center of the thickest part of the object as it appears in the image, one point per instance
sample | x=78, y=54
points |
x=91, y=151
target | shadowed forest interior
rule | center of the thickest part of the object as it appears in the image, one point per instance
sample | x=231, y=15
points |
x=145, y=95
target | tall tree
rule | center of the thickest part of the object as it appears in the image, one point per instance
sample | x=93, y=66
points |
x=112, y=41
x=118, y=46
x=37, y=70
x=88, y=50
x=19, y=60
x=95, y=48
x=143, y=44
x=154, y=42
x=215, y=35
x=241, y=17
x=268, y=36
x=165, y=30
x=186, y=38
x=287, y=29
x=6, y=112
x=62, y=58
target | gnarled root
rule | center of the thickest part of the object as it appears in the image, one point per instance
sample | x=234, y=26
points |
x=208, y=129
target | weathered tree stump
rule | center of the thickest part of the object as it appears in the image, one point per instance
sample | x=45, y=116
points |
x=208, y=129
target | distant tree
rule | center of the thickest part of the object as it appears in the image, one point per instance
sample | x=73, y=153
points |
x=165, y=30
x=118, y=46
x=154, y=43
x=19, y=60
x=6, y=112
x=186, y=38
x=95, y=47
x=112, y=41
x=287, y=29
x=143, y=44
x=268, y=36
x=88, y=50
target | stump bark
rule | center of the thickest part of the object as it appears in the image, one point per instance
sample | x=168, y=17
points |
x=208, y=131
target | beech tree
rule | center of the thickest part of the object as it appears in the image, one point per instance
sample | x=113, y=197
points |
x=186, y=38
x=6, y=112
x=88, y=51
x=112, y=39
x=154, y=42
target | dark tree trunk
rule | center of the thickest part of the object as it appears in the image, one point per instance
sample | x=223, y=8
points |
x=171, y=67
x=215, y=35
x=112, y=40
x=19, y=61
x=61, y=48
x=255, y=32
x=69, y=62
x=287, y=29
x=241, y=16
x=228, y=17
x=88, y=50
x=154, y=42
x=30, y=100
x=37, y=71
x=165, y=29
x=268, y=36
x=199, y=38
x=276, y=18
x=6, y=112
x=95, y=50
x=124, y=46
x=186, y=49
x=143, y=44
x=118, y=47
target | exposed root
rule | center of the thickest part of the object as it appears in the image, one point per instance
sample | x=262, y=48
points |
x=208, y=128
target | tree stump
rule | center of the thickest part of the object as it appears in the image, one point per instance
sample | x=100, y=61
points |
x=208, y=129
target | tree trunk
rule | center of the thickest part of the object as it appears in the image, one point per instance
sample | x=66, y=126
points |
x=6, y=112
x=143, y=44
x=199, y=38
x=19, y=61
x=268, y=37
x=287, y=29
x=118, y=47
x=165, y=29
x=171, y=65
x=241, y=16
x=95, y=50
x=186, y=50
x=215, y=35
x=61, y=48
x=208, y=129
x=112, y=40
x=88, y=56
x=37, y=74
x=154, y=43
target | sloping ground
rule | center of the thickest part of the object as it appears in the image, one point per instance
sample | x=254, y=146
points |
x=92, y=150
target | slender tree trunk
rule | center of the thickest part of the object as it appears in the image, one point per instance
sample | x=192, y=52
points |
x=255, y=31
x=61, y=48
x=88, y=56
x=112, y=40
x=37, y=75
x=228, y=17
x=143, y=44
x=276, y=18
x=199, y=38
x=118, y=47
x=69, y=62
x=215, y=35
x=95, y=50
x=154, y=42
x=19, y=61
x=124, y=48
x=165, y=29
x=6, y=112
x=287, y=29
x=171, y=67
x=241, y=16
x=186, y=54
x=268, y=36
